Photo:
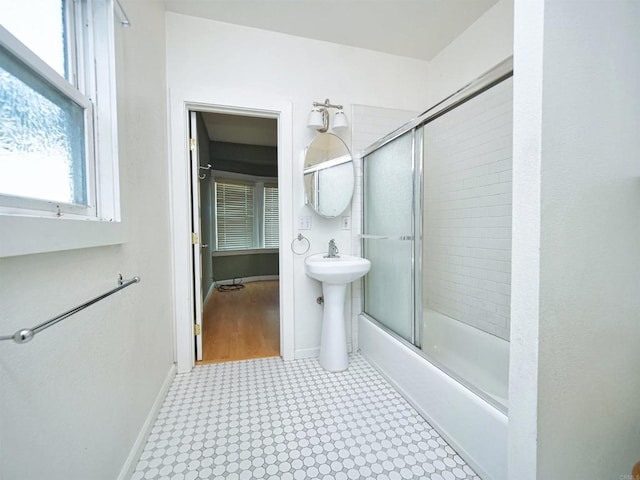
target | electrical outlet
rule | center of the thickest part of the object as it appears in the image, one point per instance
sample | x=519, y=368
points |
x=346, y=223
x=304, y=223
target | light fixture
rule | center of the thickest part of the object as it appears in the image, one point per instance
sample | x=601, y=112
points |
x=319, y=117
x=340, y=121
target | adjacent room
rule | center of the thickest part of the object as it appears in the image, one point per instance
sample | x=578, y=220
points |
x=238, y=293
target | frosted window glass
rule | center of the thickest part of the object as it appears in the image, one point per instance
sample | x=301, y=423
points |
x=41, y=138
x=388, y=201
x=39, y=25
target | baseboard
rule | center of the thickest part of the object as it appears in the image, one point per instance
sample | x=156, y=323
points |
x=259, y=278
x=211, y=289
x=307, y=353
x=313, y=352
x=136, y=450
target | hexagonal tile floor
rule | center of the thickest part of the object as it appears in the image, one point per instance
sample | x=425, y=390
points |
x=270, y=419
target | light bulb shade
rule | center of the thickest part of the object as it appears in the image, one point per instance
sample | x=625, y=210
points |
x=340, y=121
x=316, y=118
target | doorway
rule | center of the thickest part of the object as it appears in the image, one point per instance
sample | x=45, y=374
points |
x=235, y=225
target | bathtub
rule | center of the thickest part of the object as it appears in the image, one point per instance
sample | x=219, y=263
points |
x=475, y=427
x=476, y=357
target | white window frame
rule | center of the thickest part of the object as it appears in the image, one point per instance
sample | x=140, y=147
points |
x=258, y=206
x=34, y=226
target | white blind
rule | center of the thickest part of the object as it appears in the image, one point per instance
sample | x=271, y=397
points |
x=234, y=216
x=271, y=216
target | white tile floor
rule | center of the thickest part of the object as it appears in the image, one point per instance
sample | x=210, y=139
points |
x=269, y=419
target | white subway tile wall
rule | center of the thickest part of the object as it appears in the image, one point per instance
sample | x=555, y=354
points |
x=369, y=124
x=467, y=211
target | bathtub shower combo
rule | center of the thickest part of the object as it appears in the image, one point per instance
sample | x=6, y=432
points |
x=437, y=229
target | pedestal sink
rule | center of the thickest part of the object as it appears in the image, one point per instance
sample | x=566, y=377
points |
x=335, y=273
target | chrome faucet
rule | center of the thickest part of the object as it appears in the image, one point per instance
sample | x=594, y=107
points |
x=333, y=250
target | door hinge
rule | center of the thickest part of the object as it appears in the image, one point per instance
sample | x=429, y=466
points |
x=197, y=329
x=192, y=144
x=194, y=238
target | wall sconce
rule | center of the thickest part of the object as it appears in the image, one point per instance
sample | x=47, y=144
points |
x=319, y=117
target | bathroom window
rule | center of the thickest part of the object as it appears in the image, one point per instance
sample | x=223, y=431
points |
x=246, y=215
x=56, y=93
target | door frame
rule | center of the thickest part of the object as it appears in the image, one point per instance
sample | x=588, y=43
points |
x=196, y=228
x=180, y=103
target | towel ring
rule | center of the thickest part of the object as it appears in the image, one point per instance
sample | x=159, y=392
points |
x=300, y=238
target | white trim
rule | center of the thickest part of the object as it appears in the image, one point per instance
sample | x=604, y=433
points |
x=257, y=278
x=136, y=450
x=308, y=353
x=106, y=114
x=314, y=352
x=39, y=234
x=209, y=100
x=212, y=287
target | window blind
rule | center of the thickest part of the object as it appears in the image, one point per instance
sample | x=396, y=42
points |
x=271, y=239
x=234, y=216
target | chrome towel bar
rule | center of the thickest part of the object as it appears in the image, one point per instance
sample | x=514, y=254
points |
x=26, y=334
x=403, y=238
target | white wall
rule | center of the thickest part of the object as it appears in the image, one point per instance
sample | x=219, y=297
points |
x=73, y=400
x=525, y=247
x=480, y=47
x=577, y=123
x=235, y=61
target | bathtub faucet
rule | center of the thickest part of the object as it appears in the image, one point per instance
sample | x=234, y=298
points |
x=333, y=250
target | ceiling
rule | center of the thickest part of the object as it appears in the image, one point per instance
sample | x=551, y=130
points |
x=241, y=129
x=410, y=28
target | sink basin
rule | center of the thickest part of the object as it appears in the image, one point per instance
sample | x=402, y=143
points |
x=335, y=274
x=336, y=271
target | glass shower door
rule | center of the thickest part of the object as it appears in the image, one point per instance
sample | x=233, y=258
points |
x=388, y=235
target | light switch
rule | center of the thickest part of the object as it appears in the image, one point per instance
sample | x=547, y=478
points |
x=346, y=223
x=304, y=223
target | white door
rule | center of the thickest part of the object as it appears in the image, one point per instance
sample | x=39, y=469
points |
x=196, y=232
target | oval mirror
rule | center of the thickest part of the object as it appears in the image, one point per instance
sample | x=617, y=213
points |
x=329, y=176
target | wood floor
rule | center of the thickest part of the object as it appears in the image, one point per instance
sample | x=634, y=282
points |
x=242, y=324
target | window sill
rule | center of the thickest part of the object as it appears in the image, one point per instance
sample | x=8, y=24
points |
x=25, y=235
x=253, y=251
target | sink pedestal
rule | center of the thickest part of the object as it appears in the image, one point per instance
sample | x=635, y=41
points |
x=333, y=343
x=335, y=273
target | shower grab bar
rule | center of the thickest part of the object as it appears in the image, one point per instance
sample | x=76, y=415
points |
x=367, y=236
x=26, y=334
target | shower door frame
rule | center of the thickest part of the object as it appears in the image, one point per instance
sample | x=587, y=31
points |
x=496, y=75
